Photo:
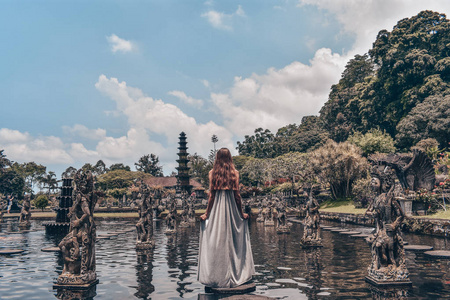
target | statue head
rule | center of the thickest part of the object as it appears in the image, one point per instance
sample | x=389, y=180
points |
x=383, y=178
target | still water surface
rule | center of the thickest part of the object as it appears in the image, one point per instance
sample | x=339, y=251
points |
x=284, y=270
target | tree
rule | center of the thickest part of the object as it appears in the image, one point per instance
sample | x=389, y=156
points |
x=11, y=182
x=257, y=171
x=119, y=179
x=69, y=172
x=119, y=166
x=258, y=145
x=429, y=119
x=199, y=168
x=373, y=141
x=214, y=139
x=41, y=202
x=100, y=168
x=338, y=165
x=49, y=181
x=149, y=164
x=30, y=171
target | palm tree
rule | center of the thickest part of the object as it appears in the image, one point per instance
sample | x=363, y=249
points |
x=49, y=181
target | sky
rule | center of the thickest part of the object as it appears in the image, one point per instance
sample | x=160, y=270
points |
x=115, y=80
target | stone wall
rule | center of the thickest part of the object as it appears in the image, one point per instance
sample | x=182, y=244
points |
x=437, y=227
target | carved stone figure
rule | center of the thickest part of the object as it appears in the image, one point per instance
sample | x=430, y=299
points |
x=388, y=255
x=282, y=225
x=25, y=213
x=171, y=218
x=311, y=233
x=191, y=212
x=185, y=222
x=268, y=221
x=145, y=224
x=78, y=246
x=260, y=212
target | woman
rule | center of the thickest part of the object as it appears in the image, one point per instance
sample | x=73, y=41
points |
x=225, y=255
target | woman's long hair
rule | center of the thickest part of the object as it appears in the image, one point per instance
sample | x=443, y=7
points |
x=223, y=172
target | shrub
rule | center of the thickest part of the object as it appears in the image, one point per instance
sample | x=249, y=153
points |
x=41, y=202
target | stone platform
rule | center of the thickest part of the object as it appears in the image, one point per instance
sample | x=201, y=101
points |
x=242, y=289
x=387, y=283
x=75, y=286
x=438, y=254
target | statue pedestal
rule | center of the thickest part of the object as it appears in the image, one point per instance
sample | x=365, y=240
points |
x=406, y=205
x=269, y=223
x=386, y=283
x=311, y=243
x=80, y=286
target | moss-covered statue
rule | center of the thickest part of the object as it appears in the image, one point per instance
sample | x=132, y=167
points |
x=78, y=246
x=145, y=224
x=25, y=213
x=311, y=230
x=171, y=218
x=386, y=243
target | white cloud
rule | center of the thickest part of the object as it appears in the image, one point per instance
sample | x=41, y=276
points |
x=205, y=82
x=222, y=20
x=279, y=97
x=146, y=114
x=23, y=147
x=189, y=100
x=364, y=19
x=118, y=44
x=84, y=132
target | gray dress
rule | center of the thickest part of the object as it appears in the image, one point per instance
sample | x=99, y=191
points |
x=225, y=256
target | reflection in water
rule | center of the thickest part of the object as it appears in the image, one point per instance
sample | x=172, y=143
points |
x=144, y=273
x=388, y=292
x=69, y=294
x=312, y=258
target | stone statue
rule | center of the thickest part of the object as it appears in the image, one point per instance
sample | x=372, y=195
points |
x=386, y=243
x=171, y=218
x=25, y=213
x=260, y=212
x=78, y=246
x=145, y=224
x=282, y=225
x=191, y=212
x=268, y=221
x=185, y=222
x=311, y=233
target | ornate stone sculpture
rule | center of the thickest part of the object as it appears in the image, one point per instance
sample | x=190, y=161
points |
x=78, y=246
x=282, y=225
x=311, y=233
x=388, y=255
x=268, y=221
x=185, y=222
x=145, y=224
x=25, y=213
x=191, y=212
x=171, y=218
x=260, y=212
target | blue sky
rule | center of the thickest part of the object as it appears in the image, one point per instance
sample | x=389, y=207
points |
x=115, y=80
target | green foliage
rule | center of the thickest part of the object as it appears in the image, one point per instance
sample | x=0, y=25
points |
x=258, y=145
x=119, y=166
x=149, y=164
x=362, y=192
x=41, y=202
x=199, y=169
x=11, y=181
x=69, y=172
x=429, y=119
x=48, y=181
x=118, y=179
x=30, y=172
x=373, y=141
x=117, y=193
x=338, y=165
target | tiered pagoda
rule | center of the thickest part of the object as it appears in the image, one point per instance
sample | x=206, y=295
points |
x=62, y=223
x=183, y=184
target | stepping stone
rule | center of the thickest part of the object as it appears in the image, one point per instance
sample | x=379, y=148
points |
x=10, y=251
x=242, y=289
x=339, y=230
x=438, y=254
x=405, y=243
x=350, y=232
x=418, y=248
x=103, y=237
x=284, y=268
x=273, y=284
x=329, y=228
x=51, y=249
x=359, y=235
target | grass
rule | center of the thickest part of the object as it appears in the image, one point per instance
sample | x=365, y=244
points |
x=439, y=215
x=341, y=206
